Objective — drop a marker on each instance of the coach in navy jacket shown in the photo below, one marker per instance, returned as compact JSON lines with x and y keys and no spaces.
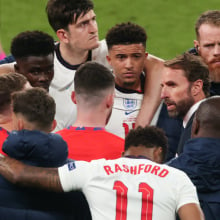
{"x":44,"y":150}
{"x":200,"y":159}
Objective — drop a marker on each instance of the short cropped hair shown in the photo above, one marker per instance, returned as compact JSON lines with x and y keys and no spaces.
{"x":126,"y":33}
{"x":194,"y":68}
{"x":32,"y":43}
{"x":208,"y":115}
{"x":92,"y":81}
{"x":36,"y":106}
{"x":149,"y":137}
{"x":9,"y":83}
{"x":61,"y":13}
{"x":211,"y":17}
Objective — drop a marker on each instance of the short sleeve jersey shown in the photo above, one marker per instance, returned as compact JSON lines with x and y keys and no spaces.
{"x":128,"y":188}
{"x":62,"y":85}
{"x":126,"y":107}
{"x":90,"y":143}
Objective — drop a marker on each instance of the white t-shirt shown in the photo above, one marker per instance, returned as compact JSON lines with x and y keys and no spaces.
{"x":124,"y":113}
{"x":129,"y":187}
{"x":62,"y":86}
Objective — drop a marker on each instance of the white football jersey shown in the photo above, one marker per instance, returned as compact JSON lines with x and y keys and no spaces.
{"x":124,"y":113}
{"x":128,"y":189}
{"x":62,"y":86}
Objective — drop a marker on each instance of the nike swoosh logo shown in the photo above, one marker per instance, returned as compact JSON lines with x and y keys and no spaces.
{"x":128,"y":113}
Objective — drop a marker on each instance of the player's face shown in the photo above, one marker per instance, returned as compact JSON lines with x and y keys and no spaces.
{"x":176,"y":92}
{"x":127,"y":62}
{"x":209,"y":47}
{"x":39,"y":70}
{"x":83,"y":35}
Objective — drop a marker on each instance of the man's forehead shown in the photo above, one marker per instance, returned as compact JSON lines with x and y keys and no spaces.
{"x":172,"y":74}
{"x":128,"y":48}
{"x":85,"y":16}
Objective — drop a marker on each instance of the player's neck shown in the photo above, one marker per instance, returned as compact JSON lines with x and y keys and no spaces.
{"x":6,"y":123}
{"x":73,"y":57}
{"x":90,"y":120}
{"x":130,"y":86}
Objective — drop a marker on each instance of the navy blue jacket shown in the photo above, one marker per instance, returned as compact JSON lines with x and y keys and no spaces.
{"x":172,"y":128}
{"x":186,"y":135}
{"x":44,"y":150}
{"x":200,"y":160}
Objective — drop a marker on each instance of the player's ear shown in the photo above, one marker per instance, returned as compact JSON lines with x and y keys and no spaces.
{"x":73,"y":97}
{"x":196,"y":45}
{"x":108,"y":59}
{"x":146,"y":54}
{"x":16,"y":67}
{"x":62,"y":35}
{"x":53,"y":126}
{"x":110,"y":100}
{"x":197,"y":87}
{"x":158,"y":158}
{"x":195,"y":127}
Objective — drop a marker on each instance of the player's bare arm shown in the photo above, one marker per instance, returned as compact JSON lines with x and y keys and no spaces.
{"x":191,"y":211}
{"x":24,"y":175}
{"x":7,"y":68}
{"x":151,"y":99}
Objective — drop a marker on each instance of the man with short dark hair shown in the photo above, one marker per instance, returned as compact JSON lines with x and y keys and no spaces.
{"x":185,"y":84}
{"x":34,"y":53}
{"x":127,"y":54}
{"x":74,"y":22}
{"x":87,"y":138}
{"x":131,"y":187}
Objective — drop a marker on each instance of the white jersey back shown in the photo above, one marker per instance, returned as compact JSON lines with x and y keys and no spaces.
{"x":128,"y":189}
{"x":124,"y":113}
{"x":62,"y":86}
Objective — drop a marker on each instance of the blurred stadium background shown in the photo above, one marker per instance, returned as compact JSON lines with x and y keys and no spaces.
{"x":169,"y":23}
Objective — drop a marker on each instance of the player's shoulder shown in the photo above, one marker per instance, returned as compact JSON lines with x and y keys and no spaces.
{"x":106,"y":133}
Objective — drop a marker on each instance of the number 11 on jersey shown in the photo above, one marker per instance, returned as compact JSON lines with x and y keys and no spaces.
{"x":122,"y":200}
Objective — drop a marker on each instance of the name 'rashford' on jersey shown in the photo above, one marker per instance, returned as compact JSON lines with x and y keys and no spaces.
{"x":129,"y":188}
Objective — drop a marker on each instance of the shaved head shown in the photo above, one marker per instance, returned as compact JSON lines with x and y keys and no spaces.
{"x":207,"y":119}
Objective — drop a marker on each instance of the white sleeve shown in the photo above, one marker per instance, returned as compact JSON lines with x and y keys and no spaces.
{"x":186,"y":191}
{"x":74,"y":175}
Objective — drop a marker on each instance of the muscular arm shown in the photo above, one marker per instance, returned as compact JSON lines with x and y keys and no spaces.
{"x":30,"y":176}
{"x":151,"y":99}
{"x":191,"y":211}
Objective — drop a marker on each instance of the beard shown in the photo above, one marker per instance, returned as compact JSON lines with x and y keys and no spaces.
{"x":214,"y":74}
{"x":182,"y":107}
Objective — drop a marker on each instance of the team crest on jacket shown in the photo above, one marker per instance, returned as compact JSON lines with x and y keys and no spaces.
{"x":130,"y":104}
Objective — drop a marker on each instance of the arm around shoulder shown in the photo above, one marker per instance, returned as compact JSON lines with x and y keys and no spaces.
{"x":21,"y":174}
{"x":151,"y":100}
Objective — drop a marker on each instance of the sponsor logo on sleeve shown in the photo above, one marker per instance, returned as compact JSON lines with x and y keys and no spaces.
{"x":71,"y":165}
